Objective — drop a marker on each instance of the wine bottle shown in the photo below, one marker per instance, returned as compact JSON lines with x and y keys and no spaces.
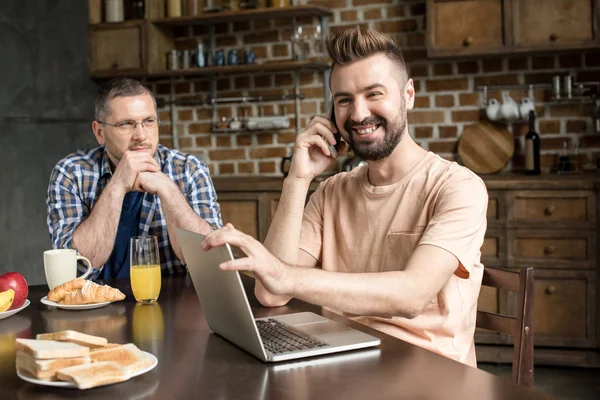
{"x":532,"y":148}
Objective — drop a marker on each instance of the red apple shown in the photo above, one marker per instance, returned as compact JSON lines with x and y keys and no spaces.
{"x":16,"y":282}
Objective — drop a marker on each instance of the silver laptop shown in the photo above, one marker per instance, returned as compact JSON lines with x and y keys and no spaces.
{"x":277,"y":338}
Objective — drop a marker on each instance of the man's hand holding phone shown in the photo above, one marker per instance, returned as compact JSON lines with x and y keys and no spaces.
{"x":315,"y":149}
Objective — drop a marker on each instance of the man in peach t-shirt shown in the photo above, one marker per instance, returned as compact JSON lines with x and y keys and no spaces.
{"x":397,"y":241}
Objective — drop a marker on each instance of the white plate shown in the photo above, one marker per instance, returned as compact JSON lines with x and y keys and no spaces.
{"x":47,"y":302}
{"x":7,"y":314}
{"x":72,"y":385}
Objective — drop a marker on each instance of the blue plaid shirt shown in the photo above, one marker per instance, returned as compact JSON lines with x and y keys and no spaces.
{"x":77,"y":182}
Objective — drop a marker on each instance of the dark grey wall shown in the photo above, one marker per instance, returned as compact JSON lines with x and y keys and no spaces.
{"x":46,"y":107}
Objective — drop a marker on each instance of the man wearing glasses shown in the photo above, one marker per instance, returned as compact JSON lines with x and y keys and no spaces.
{"x":129,"y":186}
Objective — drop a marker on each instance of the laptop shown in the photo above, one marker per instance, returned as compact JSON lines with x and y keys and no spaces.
{"x":270,"y":339}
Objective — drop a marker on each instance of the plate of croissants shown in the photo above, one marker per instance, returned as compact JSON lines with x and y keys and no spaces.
{"x":81,"y":294}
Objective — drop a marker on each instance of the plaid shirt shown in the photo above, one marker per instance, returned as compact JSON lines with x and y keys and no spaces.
{"x":77,"y":182}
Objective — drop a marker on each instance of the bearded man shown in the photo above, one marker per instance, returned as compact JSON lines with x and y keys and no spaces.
{"x":394,"y":244}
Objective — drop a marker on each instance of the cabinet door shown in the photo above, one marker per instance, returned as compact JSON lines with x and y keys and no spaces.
{"x":458,"y":28}
{"x":117,"y":48}
{"x":564,"y":309}
{"x":553,"y":23}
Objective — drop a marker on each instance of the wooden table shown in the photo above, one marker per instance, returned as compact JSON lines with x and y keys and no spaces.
{"x":195,"y":364}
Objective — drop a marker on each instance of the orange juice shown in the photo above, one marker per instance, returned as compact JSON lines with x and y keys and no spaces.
{"x":145,"y":282}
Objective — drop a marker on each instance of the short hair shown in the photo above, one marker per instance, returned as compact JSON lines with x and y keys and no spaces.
{"x":120,"y":87}
{"x":356,"y":43}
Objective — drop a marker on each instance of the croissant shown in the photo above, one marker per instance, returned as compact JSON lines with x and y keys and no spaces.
{"x":60,"y":291}
{"x":92,"y":293}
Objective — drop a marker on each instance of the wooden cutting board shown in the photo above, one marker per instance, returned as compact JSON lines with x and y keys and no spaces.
{"x":485,"y":147}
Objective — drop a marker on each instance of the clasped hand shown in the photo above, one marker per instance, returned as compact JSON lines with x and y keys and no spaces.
{"x":139,"y":171}
{"x":275,"y":276}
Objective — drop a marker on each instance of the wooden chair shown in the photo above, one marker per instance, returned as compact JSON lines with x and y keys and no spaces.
{"x":519,"y":327}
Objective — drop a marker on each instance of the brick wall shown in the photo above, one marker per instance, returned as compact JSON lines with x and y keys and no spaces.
{"x":445,"y":101}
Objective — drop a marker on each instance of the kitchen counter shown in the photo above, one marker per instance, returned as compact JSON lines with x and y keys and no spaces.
{"x":493,"y":182}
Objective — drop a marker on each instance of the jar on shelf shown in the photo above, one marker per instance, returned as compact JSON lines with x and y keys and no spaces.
{"x":113,"y":11}
{"x":249,"y":57}
{"x":279,"y":3}
{"x":174,"y":8}
{"x":173,"y":60}
{"x":219,"y":58}
{"x":300,"y":45}
{"x":232,"y":57}
{"x":94,"y":11}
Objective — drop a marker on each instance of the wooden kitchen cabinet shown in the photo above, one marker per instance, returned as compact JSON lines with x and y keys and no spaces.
{"x":477,"y":27}
{"x":551,"y":24}
{"x":131,"y":48}
{"x":454,"y":27}
{"x":546,"y":222}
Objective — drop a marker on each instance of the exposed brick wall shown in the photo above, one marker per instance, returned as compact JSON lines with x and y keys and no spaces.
{"x":445,"y":104}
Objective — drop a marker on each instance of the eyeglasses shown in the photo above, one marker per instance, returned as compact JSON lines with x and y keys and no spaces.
{"x":130,"y":125}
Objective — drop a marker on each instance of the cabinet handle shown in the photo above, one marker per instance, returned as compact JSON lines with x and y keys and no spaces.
{"x":467,"y":41}
{"x":553,"y":37}
{"x":114,"y":65}
{"x":549,"y":249}
{"x":549,"y":210}
{"x":550,"y":289}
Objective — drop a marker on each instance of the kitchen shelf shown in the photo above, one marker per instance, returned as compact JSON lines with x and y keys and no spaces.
{"x":223,"y":70}
{"x":245,"y":15}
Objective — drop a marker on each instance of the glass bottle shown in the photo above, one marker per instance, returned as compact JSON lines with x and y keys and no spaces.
{"x":532,"y":148}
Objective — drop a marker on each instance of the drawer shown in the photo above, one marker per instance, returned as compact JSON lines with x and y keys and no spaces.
{"x":496,"y":210}
{"x":573,"y":249}
{"x":493,"y":251}
{"x":564,"y":309}
{"x":455,"y":26}
{"x":556,"y":209}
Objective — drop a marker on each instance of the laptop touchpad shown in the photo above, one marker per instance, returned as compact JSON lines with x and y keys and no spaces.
{"x":323,"y":329}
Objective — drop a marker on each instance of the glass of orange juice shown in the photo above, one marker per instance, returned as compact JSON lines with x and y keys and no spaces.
{"x":145,"y":268}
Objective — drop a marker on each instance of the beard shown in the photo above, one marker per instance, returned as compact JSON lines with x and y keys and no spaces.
{"x":370,"y":150}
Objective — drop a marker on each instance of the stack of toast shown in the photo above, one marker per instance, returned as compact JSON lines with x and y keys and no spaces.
{"x":85,"y":360}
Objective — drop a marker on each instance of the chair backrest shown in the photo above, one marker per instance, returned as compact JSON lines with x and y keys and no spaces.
{"x":519,"y":327}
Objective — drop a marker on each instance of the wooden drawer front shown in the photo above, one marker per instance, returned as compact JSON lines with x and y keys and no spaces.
{"x":492,"y":210}
{"x":117,"y":48}
{"x":550,"y":23}
{"x":548,"y":249}
{"x":457,"y":25}
{"x":552,"y":207}
{"x":556,"y":248}
{"x":563,"y":311}
{"x":493,"y":251}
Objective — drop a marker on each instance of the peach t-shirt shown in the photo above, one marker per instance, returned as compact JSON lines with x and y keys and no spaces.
{"x":350,"y":225}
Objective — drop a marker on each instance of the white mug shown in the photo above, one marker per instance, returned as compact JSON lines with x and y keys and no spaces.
{"x":60,"y":266}
{"x":509,"y":109}
{"x":492,"y":109}
{"x":526,"y":106}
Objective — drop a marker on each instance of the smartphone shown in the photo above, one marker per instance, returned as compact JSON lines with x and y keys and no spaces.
{"x":338,"y":138}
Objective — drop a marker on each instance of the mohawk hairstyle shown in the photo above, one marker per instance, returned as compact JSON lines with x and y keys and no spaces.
{"x":356,"y":43}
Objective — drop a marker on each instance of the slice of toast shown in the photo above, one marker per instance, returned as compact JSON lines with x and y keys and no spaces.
{"x":95,"y":374}
{"x":26,"y":361}
{"x":127,"y":356}
{"x":108,"y":346}
{"x":50,"y":349}
{"x":42,"y":376}
{"x":74,"y":337}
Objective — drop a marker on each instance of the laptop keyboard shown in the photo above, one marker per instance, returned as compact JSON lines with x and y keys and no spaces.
{"x":277,"y":338}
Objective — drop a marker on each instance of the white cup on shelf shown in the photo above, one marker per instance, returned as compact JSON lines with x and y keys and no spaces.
{"x":526,"y":106}
{"x":509,"y":109}
{"x":492,"y":109}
